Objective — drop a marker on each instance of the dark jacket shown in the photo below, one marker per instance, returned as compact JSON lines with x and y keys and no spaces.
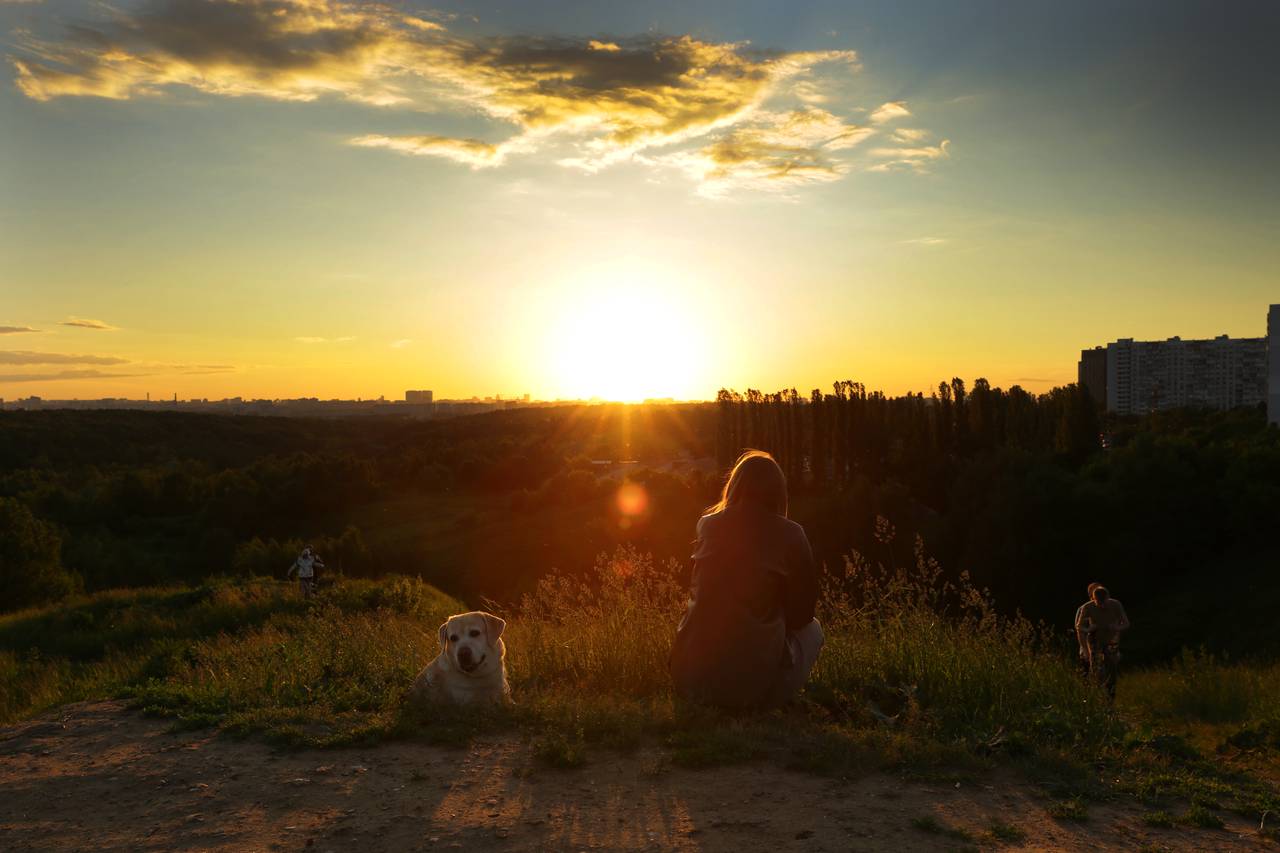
{"x":753,"y":582}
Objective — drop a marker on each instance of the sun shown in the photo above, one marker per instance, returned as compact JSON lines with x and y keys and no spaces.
{"x":627,"y":340}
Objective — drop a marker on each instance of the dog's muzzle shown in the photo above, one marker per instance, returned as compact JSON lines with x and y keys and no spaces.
{"x":467,"y":663}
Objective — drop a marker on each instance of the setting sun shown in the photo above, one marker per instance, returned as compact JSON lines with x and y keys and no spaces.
{"x":627,"y":341}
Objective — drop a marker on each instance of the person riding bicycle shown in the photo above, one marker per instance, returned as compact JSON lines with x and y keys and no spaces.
{"x":307,"y":564}
{"x":1099,"y":624}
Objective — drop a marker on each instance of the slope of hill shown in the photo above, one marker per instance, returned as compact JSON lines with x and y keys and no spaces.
{"x":97,"y":774}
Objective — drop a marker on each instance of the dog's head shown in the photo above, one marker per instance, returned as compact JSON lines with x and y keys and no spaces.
{"x":472,"y":641}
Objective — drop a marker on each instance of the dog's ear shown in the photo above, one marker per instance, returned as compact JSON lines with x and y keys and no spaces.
{"x":444,"y":635}
{"x":493,"y":626}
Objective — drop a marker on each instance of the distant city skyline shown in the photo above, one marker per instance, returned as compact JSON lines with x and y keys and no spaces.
{"x":272,"y":198}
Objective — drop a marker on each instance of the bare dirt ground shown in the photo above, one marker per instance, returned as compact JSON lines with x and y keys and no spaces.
{"x":96,"y":776}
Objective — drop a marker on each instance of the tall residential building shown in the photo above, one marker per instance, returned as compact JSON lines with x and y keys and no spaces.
{"x":419,"y":396}
{"x":1273,"y":365}
{"x":1217,"y":373}
{"x":1092,"y":373}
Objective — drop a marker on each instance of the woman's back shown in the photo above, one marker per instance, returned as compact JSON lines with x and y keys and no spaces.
{"x":753,"y":581}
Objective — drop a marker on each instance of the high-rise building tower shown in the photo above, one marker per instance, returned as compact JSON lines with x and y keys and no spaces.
{"x":1273,"y":365}
{"x":1092,"y":373}
{"x":1217,"y":373}
{"x":419,"y":397}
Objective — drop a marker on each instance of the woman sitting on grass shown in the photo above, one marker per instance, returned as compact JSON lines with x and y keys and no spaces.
{"x":749,"y":639}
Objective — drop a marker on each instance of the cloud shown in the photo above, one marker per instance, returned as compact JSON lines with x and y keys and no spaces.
{"x":917,"y":159}
{"x":472,"y":152}
{"x":81,"y":323}
{"x":775,"y":151}
{"x":641,"y":98}
{"x":926,"y":241}
{"x":28,"y":357}
{"x":16,"y":330}
{"x":87,"y":373}
{"x":187,"y":369}
{"x":909,"y":135}
{"x":622,"y":94}
{"x":889,"y":111}
{"x":401,"y":344}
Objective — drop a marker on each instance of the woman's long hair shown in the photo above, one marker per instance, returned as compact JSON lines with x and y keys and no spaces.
{"x":756,"y":480}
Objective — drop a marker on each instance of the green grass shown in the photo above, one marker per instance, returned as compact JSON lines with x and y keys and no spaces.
{"x":250,"y":655}
{"x":929,"y":683}
{"x":1199,"y":686}
{"x":1201,"y":817}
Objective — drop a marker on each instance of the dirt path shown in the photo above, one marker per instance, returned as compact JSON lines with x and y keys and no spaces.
{"x":97,"y":777}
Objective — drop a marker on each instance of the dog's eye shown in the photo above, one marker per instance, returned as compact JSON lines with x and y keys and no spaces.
{"x":475,"y":633}
{"x":453,"y":638}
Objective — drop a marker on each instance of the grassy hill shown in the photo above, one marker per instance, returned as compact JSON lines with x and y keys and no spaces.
{"x":931,"y":681}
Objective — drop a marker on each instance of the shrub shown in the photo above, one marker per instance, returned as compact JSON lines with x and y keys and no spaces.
{"x":31,"y":569}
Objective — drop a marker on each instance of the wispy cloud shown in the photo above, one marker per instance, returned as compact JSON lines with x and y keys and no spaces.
{"x":916,"y":159}
{"x":889,"y":111}
{"x":473,"y":152}
{"x":774,"y":151}
{"x":926,"y":241}
{"x":83,"y":323}
{"x":28,"y":357}
{"x":87,"y":373}
{"x":642,"y":98}
{"x":186,"y":369}
{"x":16,"y":330}
{"x":401,"y":343}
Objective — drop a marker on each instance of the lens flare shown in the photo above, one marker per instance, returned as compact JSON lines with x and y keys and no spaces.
{"x":632,"y":500}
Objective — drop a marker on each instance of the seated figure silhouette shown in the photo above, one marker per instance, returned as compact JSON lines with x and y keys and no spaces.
{"x":749,"y":638}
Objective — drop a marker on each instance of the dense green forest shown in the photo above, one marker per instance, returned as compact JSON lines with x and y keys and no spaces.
{"x":1032,"y":495}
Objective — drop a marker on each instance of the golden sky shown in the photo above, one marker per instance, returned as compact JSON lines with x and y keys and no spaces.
{"x":279,"y":198}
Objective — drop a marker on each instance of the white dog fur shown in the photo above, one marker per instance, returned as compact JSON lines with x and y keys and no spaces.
{"x":470,"y":667}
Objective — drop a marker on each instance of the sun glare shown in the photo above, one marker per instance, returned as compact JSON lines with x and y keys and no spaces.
{"x":627,"y":341}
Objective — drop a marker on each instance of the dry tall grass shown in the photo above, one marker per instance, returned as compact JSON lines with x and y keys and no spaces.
{"x":905,"y":649}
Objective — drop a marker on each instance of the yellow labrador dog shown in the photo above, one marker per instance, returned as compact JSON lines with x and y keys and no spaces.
{"x":470,"y":665}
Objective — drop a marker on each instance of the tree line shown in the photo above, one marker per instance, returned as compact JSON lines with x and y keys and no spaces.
{"x":1033,"y":495}
{"x":827,"y":440}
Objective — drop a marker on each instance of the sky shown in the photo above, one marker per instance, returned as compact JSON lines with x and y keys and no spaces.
{"x":286,"y":198}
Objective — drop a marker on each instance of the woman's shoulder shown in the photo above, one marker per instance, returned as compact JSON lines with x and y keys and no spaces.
{"x":792,"y":529}
{"x":756,"y":518}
